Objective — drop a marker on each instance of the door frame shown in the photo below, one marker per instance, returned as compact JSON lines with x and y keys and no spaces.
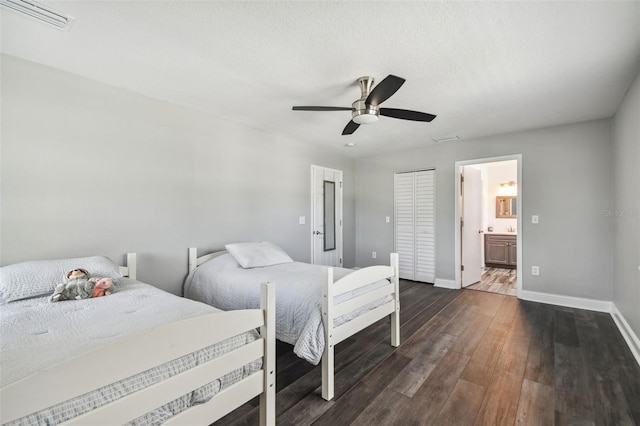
{"x":457,"y":236}
{"x":339,"y":213}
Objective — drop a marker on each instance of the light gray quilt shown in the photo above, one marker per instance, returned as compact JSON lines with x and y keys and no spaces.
{"x":36,"y":334}
{"x":224,"y":284}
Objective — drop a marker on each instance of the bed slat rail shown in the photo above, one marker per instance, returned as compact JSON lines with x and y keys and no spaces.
{"x":223,"y":403}
{"x":351,"y":305}
{"x":361,"y":278}
{"x":349,"y":328}
{"x":154,"y":396}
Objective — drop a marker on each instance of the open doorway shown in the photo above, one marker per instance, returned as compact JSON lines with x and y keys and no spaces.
{"x":488,"y":203}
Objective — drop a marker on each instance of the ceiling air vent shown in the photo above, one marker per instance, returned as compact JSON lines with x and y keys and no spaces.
{"x":449,"y":138}
{"x":40,"y":13}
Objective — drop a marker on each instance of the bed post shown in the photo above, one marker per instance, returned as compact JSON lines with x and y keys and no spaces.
{"x":327,"y":318}
{"x":268,"y":333}
{"x":193,"y":258}
{"x":395,"y":316}
{"x":132,"y":266}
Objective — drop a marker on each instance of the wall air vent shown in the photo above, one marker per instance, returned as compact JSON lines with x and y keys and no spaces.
{"x":40,"y":13}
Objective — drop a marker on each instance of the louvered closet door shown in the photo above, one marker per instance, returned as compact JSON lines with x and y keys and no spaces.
{"x":415,"y":224}
{"x":405,"y":224}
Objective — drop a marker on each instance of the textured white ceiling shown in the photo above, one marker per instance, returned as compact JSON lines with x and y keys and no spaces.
{"x":482,"y":67}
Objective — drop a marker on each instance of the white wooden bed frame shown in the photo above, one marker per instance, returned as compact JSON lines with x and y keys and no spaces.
{"x":330,"y":311}
{"x":104,"y":365}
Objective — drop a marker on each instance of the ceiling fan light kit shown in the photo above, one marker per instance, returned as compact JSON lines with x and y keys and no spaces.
{"x":366,"y":110}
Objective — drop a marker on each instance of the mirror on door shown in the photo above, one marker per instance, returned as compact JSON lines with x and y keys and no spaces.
{"x":329,"y":201}
{"x":506,"y":207}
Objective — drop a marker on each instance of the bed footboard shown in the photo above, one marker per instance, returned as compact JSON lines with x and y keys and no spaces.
{"x":330,"y":311}
{"x":102,"y":366}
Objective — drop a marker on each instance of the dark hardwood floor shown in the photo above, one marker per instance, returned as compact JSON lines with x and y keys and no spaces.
{"x":467,"y":358}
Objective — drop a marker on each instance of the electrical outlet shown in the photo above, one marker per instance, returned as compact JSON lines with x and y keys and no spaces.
{"x":535,"y":270}
{"x":373,"y":254}
{"x":388,"y":219}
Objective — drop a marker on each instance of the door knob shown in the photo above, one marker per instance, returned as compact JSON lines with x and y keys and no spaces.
{"x":481,"y":232}
{"x":317,"y":233}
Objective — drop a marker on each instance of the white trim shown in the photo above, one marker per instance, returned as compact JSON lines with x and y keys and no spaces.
{"x":458,"y":261}
{"x":625,"y":329}
{"x":442,"y":283}
{"x":568,"y":301}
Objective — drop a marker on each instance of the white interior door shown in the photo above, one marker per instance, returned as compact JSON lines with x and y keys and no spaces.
{"x":326,"y":216}
{"x":472,"y":232}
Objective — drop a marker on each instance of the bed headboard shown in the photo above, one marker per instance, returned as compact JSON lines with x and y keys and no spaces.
{"x":131,"y":269}
{"x":195,"y":261}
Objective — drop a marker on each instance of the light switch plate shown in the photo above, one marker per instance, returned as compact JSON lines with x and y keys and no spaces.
{"x":388,"y":219}
{"x":534,"y":218}
{"x":302,"y":220}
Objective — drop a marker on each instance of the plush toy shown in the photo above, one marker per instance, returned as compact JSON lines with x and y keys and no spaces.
{"x":77,"y":285}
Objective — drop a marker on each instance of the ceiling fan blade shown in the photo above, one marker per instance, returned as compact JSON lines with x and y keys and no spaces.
{"x":384,"y":89}
{"x":320,"y":108}
{"x":406,"y":114}
{"x":351,"y":127}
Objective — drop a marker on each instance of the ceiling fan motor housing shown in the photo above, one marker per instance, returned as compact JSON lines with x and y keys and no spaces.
{"x":363,"y":113}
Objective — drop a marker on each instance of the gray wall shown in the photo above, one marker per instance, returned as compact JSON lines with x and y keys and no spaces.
{"x":88,"y":169}
{"x":567,"y":181}
{"x":626,"y":217}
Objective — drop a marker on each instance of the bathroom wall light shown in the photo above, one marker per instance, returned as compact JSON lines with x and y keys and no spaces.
{"x":41,"y":13}
{"x":508,"y":189}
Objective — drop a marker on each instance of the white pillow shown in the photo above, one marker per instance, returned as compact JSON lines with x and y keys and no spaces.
{"x":258,"y":255}
{"x":40,"y":277}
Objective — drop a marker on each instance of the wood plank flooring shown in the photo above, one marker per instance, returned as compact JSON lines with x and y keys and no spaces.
{"x":497,"y":280}
{"x":467,"y":358}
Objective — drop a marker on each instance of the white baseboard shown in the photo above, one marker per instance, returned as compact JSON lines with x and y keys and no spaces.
{"x":450,"y":284}
{"x":568,"y":301}
{"x":625,"y":329}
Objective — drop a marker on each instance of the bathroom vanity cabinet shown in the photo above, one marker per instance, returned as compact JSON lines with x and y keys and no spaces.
{"x":500,"y":250}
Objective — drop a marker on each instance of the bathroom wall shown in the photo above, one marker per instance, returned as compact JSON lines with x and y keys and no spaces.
{"x":494,"y":174}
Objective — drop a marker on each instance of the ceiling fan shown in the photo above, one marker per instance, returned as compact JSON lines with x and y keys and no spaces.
{"x":367,"y":109}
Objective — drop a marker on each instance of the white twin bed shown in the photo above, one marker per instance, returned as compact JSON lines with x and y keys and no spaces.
{"x":139,"y":356}
{"x":313,"y":312}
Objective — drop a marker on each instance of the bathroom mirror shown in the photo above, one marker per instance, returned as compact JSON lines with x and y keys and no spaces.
{"x":506,"y":207}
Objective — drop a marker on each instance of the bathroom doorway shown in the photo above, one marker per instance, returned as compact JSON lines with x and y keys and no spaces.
{"x":488,"y":202}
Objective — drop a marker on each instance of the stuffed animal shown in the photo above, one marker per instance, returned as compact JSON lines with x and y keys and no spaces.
{"x":77,"y":285}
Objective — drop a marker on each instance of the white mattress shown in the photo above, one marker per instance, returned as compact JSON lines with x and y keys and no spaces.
{"x":223,"y":283}
{"x":37,"y":334}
